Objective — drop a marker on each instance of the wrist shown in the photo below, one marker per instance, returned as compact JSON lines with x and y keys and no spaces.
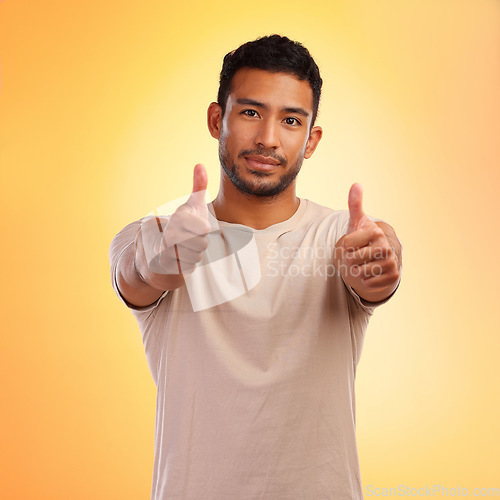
{"x":146,"y":274}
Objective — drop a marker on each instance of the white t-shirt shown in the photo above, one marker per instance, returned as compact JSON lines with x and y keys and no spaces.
{"x":256,"y":393}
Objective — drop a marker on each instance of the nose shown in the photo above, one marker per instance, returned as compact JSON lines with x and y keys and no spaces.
{"x":268,"y":135}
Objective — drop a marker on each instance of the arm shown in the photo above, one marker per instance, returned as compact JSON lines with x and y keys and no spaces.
{"x":164,"y":251}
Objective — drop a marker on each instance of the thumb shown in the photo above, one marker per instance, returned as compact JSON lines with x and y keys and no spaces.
{"x":200,"y":178}
{"x":355,"y":203}
{"x":200,"y":182}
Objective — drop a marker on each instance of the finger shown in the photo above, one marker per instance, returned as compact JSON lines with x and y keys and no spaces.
{"x":369,"y":234}
{"x":187,"y":256}
{"x":377,"y":279}
{"x":187,"y":259}
{"x":368,"y":254}
{"x":186,"y":229}
{"x":200,"y":178}
{"x":367,"y":271}
{"x":355,"y":203}
{"x":197,"y":243}
{"x":200,"y":183}
{"x":165,"y":262}
{"x":193,"y":225}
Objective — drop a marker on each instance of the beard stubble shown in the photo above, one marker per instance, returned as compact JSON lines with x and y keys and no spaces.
{"x":259,"y":187}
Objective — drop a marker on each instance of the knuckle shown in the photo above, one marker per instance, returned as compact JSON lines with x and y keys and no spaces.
{"x":348,"y":245}
{"x":186,"y":208}
{"x":203,"y":243}
{"x":372,"y":284}
{"x":207,"y":227}
{"x":389,"y":254}
{"x":394,"y":275}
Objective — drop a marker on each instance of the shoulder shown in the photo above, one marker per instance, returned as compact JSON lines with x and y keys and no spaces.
{"x":317,"y":214}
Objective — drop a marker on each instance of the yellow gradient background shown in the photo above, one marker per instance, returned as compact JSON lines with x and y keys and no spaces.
{"x":102,"y":118}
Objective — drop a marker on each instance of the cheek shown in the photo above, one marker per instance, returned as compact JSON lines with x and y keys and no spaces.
{"x":228,"y":142}
{"x":296,"y":146}
{"x":237,"y":140}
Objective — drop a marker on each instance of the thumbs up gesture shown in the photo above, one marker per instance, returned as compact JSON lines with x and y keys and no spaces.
{"x":185,"y":235}
{"x":367,"y":256}
{"x":170,"y":247}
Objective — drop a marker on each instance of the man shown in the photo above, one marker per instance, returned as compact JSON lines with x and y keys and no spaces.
{"x":253,"y":308}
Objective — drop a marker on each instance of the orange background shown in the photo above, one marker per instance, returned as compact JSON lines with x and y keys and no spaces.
{"x":102,"y":118}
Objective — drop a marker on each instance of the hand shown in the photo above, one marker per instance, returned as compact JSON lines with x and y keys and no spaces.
{"x":180,"y":240}
{"x":368,"y":262}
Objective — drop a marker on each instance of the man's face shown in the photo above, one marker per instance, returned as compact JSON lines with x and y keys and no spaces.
{"x":264,"y":134}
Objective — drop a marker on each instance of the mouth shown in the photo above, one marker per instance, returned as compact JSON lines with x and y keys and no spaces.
{"x":262,"y":163}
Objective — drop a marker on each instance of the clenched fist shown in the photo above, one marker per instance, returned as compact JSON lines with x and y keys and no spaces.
{"x":367,"y":256}
{"x":172,"y":246}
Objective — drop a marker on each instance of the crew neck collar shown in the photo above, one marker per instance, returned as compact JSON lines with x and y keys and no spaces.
{"x":279,"y":226}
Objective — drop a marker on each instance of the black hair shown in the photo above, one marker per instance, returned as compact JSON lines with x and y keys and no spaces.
{"x":272,"y":53}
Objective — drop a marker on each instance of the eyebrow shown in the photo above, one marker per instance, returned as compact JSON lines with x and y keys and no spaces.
{"x":258,"y":104}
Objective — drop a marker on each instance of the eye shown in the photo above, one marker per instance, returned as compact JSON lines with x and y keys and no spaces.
{"x":249,"y":112}
{"x":289,"y":120}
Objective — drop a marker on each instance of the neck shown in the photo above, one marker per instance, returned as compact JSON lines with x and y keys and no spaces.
{"x":258,"y":212}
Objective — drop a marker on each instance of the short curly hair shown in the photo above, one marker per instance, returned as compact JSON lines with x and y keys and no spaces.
{"x":272,"y":53}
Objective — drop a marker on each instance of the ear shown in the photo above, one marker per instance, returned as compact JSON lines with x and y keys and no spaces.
{"x":214,"y":120}
{"x":312,"y":142}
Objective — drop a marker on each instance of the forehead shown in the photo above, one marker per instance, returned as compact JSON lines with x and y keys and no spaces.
{"x":280,"y":89}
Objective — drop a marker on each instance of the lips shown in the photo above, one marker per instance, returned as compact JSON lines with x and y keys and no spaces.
{"x":262,"y":162}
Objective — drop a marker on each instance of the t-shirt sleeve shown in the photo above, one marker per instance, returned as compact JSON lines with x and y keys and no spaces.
{"x":367,"y":306}
{"x":120,"y":243}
